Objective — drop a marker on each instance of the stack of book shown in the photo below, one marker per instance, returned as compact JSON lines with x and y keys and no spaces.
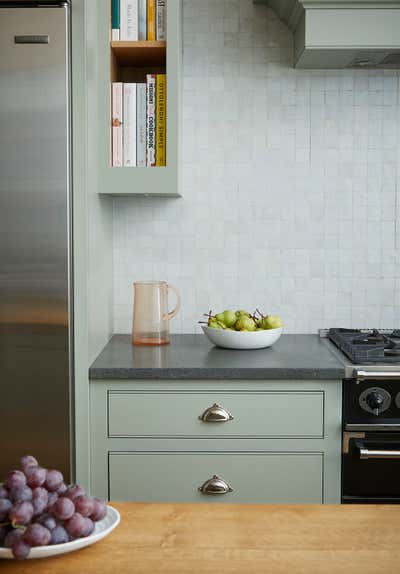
{"x":139,"y":123}
{"x":133,"y":20}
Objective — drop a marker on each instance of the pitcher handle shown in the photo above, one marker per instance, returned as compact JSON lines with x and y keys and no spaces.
{"x":174,"y":312}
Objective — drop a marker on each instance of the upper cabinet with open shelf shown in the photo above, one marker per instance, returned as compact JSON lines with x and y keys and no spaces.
{"x":131,"y":62}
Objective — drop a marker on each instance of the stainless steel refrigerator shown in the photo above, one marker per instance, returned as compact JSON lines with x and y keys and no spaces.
{"x":35,"y":235}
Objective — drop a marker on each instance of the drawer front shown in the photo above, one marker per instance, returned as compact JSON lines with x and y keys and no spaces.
{"x":262,"y":414}
{"x":176,"y":477}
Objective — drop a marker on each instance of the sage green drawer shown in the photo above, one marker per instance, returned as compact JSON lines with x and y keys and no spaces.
{"x":176,"y":477}
{"x":262,"y":414}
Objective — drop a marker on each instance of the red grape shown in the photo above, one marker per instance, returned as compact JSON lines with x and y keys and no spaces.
{"x":21,"y":513}
{"x":15,"y":479}
{"x":62,"y":489}
{"x":53,"y":496}
{"x":20,"y":494}
{"x":40,"y":500}
{"x":75,"y":526}
{"x":13,"y":536}
{"x":63,"y":508}
{"x":88,"y":528}
{"x":27,"y":461}
{"x":54,"y":480}
{"x":74,"y":490}
{"x":99,"y":511}
{"x":5,"y":506}
{"x":47,"y":520}
{"x":37,"y":535}
{"x":3,"y":492}
{"x":20,"y":550}
{"x":84,"y":505}
{"x":59,"y":535}
{"x":35,"y":475}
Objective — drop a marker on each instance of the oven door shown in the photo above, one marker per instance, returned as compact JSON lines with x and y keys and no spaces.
{"x":371,"y":468}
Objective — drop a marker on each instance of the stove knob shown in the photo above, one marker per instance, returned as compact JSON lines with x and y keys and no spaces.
{"x":375,"y":401}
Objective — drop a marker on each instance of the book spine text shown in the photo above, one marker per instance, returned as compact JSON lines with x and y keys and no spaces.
{"x":141,"y":125}
{"x":129,"y":20}
{"x":160,"y":20}
{"x":161,"y":109}
{"x":151,"y":120}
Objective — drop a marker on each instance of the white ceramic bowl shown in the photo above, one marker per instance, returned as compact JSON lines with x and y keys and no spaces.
{"x":242,"y":339}
{"x":102,"y":529}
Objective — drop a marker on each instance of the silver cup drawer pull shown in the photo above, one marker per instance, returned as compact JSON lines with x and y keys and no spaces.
{"x":215,"y":485}
{"x":216,"y":414}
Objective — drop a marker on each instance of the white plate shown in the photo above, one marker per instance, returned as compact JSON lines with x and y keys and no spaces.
{"x":101,"y":530}
{"x":242,"y":339}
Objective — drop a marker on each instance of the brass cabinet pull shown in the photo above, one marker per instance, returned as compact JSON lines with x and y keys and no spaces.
{"x":215,"y":485}
{"x":216,"y":414}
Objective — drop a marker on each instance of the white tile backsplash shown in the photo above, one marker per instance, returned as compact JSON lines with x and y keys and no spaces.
{"x":290,"y":185}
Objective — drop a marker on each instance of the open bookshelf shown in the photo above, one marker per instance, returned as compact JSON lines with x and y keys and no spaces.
{"x":130,"y":62}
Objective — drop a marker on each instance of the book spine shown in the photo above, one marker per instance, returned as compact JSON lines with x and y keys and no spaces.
{"x":129,"y":125}
{"x":141,"y":125}
{"x":161,"y":20}
{"x":117,"y":118}
{"x":151,"y":20}
{"x":151,"y":120}
{"x":161,"y":110}
{"x":115,"y":20}
{"x":129,"y":20}
{"x":142,"y":9}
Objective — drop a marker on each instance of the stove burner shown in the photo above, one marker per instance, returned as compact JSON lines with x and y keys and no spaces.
{"x":368,"y":347}
{"x":392,"y":349}
{"x":370,"y":338}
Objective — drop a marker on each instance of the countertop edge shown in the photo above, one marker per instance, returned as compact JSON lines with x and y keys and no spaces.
{"x":215,"y":374}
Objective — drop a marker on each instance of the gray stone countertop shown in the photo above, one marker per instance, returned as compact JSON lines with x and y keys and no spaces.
{"x":194,"y":357}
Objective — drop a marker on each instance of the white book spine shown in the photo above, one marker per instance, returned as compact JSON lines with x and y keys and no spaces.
{"x":129,"y":20}
{"x":141,"y":125}
{"x":129,"y":125}
{"x":142,"y":15}
{"x":117,"y":118}
{"x":161,"y":19}
{"x":151,"y":120}
{"x":115,"y":35}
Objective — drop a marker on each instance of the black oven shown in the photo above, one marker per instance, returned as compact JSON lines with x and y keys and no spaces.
{"x":371,"y":441}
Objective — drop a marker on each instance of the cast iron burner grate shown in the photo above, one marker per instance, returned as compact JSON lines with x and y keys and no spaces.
{"x":368,"y":346}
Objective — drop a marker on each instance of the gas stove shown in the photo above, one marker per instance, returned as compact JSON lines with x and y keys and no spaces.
{"x":371,"y":413}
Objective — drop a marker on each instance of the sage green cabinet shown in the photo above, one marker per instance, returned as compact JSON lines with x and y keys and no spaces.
{"x":130,"y":62}
{"x":178,"y":413}
{"x":280,"y":441}
{"x":262,"y":477}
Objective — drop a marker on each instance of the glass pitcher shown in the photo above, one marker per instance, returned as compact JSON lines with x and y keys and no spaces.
{"x":150,"y":312}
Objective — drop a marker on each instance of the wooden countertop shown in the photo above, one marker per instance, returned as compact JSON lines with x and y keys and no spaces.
{"x":245,"y":539}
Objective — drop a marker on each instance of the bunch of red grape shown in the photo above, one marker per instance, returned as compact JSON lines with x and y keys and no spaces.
{"x":37,"y":508}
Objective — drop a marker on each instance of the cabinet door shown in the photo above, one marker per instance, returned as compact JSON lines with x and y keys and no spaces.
{"x":176,"y":477}
{"x":277,"y":414}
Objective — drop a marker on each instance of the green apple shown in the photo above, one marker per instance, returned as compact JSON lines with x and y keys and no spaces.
{"x":245,"y":323}
{"x":272,"y":322}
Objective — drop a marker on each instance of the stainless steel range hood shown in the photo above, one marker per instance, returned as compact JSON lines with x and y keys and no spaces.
{"x":342,"y":33}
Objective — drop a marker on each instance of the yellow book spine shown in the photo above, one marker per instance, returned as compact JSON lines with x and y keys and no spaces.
{"x":161,"y":112}
{"x":151,"y":19}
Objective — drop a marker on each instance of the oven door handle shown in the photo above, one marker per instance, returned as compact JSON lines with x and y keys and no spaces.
{"x":366,"y":453}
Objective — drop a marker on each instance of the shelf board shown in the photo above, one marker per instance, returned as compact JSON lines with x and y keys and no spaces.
{"x":141,"y":53}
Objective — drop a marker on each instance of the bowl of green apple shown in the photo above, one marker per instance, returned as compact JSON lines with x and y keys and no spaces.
{"x":241,"y":329}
